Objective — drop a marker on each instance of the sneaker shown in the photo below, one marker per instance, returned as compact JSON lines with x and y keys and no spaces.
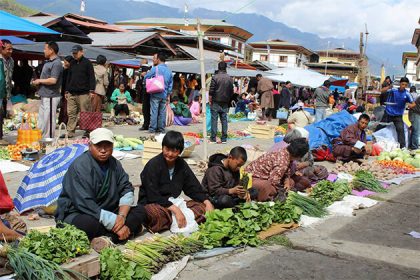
{"x":152,"y":131}
{"x":143,"y":128}
{"x":224,"y":142}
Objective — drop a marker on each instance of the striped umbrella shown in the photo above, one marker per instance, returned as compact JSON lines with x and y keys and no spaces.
{"x":42,"y":185}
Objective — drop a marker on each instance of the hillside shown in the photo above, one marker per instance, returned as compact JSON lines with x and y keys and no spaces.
{"x":11,"y":6}
{"x":262,"y":27}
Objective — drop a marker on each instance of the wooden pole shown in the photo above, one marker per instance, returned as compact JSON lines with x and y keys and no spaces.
{"x":203,"y":86}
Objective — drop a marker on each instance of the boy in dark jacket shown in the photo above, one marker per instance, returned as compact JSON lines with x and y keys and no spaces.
{"x":221,"y":179}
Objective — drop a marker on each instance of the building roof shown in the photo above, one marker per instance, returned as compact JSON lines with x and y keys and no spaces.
{"x":43,"y":20}
{"x":416,"y":37}
{"x":331,"y":65}
{"x":125,"y":40}
{"x":96,"y":26}
{"x":208,"y":24}
{"x":85,"y":18}
{"x":184,"y":39}
{"x":407,"y":55}
{"x":280,"y":44}
{"x":194,"y":53}
{"x":339,"y":51}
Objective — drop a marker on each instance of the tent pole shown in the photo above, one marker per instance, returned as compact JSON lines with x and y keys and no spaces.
{"x":203,"y":86}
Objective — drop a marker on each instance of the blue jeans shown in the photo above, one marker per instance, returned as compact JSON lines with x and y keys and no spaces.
{"x":415,"y":134}
{"x":157,"y":114}
{"x":320,"y":114}
{"x":219,"y":110}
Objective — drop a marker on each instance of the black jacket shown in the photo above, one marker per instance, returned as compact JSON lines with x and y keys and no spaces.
{"x":221,"y":88}
{"x":157,"y":187}
{"x":218,"y":179}
{"x":81,"y":77}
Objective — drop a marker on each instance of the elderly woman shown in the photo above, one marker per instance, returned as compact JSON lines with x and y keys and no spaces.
{"x":272,"y":172}
{"x":168,"y":175}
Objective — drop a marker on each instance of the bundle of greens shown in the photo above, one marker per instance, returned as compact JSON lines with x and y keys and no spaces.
{"x":286,"y":213}
{"x":364,"y":180}
{"x":115,"y":266}
{"x":309,"y":206}
{"x":326,"y":192}
{"x":58,"y":245}
{"x":28,"y":266}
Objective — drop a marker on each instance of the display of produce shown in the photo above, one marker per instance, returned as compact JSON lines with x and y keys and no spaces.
{"x":237,"y":116}
{"x":127,"y":144}
{"x":398,"y":167}
{"x":15,"y":150}
{"x":58,"y":245}
{"x":327,"y":192}
{"x":374,"y":167}
{"x":364,"y":180}
{"x":29,"y":266}
{"x":401,"y":156}
{"x":4,"y":153}
{"x":143,"y":258}
{"x":281,"y":129}
{"x":310,"y":206}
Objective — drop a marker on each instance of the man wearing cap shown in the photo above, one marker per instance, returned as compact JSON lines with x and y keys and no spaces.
{"x":97,"y":195}
{"x":299,"y":117}
{"x":80,"y":85}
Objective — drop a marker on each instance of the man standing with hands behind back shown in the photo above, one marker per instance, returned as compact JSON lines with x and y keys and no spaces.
{"x":81,"y":85}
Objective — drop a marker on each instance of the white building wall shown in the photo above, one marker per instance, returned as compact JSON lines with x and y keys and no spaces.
{"x":274,"y":58}
{"x":410,"y":70}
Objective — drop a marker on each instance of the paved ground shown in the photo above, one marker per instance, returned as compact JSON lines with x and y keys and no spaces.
{"x":371,"y":245}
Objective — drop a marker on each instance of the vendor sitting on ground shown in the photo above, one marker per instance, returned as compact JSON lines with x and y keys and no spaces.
{"x":343,"y":146}
{"x":168,"y":175}
{"x":182,"y":114}
{"x":195,"y":109}
{"x":97,"y":194}
{"x":299,"y":117}
{"x":221,"y":179}
{"x":271,"y":172}
{"x":242,"y":105}
{"x":120,"y":97}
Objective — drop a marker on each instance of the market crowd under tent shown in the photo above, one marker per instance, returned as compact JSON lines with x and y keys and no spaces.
{"x":297,"y":76}
{"x":36,"y":51}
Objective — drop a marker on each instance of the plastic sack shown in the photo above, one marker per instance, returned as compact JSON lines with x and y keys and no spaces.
{"x":191,"y":226}
{"x":251,"y":116}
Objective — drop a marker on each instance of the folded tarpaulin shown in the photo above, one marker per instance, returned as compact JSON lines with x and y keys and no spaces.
{"x":322,"y":133}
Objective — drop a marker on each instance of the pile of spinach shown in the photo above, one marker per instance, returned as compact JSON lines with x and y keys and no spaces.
{"x":326,"y":192}
{"x":240,"y":226}
{"x":58,"y":245}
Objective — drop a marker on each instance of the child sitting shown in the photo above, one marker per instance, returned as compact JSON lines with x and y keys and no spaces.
{"x":196,"y":109}
{"x":182,"y":114}
{"x":221,"y":180}
{"x":242,"y":104}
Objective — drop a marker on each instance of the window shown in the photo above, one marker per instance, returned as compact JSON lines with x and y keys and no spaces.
{"x":233,"y":43}
{"x":215,"y":39}
{"x":283,"y":58}
{"x":263,"y":57}
{"x":239,"y":47}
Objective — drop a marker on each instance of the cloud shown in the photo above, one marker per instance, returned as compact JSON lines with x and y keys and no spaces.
{"x":390,"y":21}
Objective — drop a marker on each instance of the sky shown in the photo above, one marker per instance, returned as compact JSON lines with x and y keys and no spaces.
{"x":390,"y":21}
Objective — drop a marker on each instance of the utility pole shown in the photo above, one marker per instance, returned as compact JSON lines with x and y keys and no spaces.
{"x":326,"y":60}
{"x":203,"y":85}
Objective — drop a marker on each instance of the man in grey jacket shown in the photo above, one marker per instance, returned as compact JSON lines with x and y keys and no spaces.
{"x":321,"y":96}
{"x":220,"y":94}
{"x":49,"y":89}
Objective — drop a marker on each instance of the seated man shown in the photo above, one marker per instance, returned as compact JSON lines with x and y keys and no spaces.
{"x":97,"y":194}
{"x":343,"y":146}
{"x":168,"y":175}
{"x":242,"y":105}
{"x":221,"y":179}
{"x":182,"y":114}
{"x":299,"y":117}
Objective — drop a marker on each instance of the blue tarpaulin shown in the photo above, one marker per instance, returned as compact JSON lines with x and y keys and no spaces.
{"x":322,"y":133}
{"x":13,"y":25}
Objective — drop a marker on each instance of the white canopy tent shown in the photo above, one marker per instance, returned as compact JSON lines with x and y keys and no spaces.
{"x":297,"y":76}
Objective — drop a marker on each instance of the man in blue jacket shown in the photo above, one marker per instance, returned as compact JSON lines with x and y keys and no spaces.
{"x":158,"y":100}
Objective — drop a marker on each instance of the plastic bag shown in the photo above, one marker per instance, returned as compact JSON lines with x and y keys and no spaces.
{"x":191,"y":226}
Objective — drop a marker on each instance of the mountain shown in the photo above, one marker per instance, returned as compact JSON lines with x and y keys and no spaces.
{"x":262,"y":27}
{"x":12,"y":7}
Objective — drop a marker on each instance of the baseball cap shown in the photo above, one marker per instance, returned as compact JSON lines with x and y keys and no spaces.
{"x":101,"y":134}
{"x":76,"y":48}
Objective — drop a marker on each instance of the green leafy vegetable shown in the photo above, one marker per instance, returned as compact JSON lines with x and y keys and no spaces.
{"x":309,"y":206}
{"x":326,"y":192}
{"x":364,"y":180}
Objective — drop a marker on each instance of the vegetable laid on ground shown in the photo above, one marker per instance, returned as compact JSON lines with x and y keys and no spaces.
{"x":327,"y":192}
{"x":364,"y":180}
{"x":310,"y":206}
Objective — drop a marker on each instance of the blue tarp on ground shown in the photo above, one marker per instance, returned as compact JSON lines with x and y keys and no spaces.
{"x":325,"y":131}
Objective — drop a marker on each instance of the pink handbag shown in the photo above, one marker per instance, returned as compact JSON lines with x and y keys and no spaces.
{"x":155,"y":84}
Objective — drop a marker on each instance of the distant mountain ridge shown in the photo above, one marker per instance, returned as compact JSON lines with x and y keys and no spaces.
{"x":262,"y":27}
